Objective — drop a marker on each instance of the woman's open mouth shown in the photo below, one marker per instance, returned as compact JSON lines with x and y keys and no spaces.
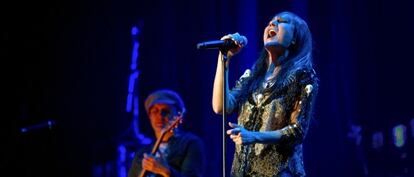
{"x":271,"y":33}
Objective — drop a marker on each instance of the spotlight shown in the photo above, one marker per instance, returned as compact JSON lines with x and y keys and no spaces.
{"x":399,"y":135}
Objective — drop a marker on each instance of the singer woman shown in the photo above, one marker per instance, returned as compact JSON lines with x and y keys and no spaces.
{"x":274,"y":101}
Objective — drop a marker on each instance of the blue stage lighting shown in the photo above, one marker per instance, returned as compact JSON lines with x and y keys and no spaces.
{"x":399,"y":135}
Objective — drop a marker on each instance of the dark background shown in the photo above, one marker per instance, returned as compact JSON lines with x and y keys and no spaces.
{"x":69,"y":62}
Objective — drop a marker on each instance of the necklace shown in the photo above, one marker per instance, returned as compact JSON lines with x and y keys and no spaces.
{"x":270,"y":76}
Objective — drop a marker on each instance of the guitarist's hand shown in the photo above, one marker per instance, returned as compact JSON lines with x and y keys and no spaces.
{"x":149,"y":163}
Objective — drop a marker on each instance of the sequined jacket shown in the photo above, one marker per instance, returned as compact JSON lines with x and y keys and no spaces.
{"x":269,"y":109}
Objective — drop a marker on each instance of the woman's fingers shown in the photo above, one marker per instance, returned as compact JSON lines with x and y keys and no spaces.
{"x":236,"y":138}
{"x":233,"y":125}
{"x":233,"y":131}
{"x":229,"y":36}
{"x":236,"y":37}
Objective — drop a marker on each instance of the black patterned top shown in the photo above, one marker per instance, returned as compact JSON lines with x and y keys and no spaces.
{"x":269,"y":109}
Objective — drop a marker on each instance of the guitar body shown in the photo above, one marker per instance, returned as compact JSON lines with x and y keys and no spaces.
{"x":154,"y":150}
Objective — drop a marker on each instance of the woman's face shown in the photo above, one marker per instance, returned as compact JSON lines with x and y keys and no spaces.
{"x":279,"y":31}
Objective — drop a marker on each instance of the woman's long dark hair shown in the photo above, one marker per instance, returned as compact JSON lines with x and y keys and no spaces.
{"x":300,"y":57}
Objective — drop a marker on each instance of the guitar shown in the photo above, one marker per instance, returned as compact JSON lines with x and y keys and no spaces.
{"x":154,"y":150}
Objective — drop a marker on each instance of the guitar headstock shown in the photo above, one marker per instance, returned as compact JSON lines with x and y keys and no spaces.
{"x":174,"y":124}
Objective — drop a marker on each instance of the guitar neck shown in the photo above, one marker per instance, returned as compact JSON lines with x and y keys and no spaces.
{"x":154,"y":151}
{"x":159,"y":140}
{"x":157,"y":144}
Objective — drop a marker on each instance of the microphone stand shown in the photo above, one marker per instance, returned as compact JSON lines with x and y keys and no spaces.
{"x":224,"y":60}
{"x":223,"y":49}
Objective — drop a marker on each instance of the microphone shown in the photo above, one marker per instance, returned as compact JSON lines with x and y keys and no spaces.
{"x":221,"y":44}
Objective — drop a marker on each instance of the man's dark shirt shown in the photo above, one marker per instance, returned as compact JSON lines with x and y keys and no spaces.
{"x":185,"y":156}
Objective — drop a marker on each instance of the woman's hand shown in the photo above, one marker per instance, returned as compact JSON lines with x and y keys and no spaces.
{"x":240,"y":135}
{"x":240,"y":41}
{"x":149,"y":163}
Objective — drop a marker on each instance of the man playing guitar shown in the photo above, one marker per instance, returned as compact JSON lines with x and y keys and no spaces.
{"x":175,"y":153}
